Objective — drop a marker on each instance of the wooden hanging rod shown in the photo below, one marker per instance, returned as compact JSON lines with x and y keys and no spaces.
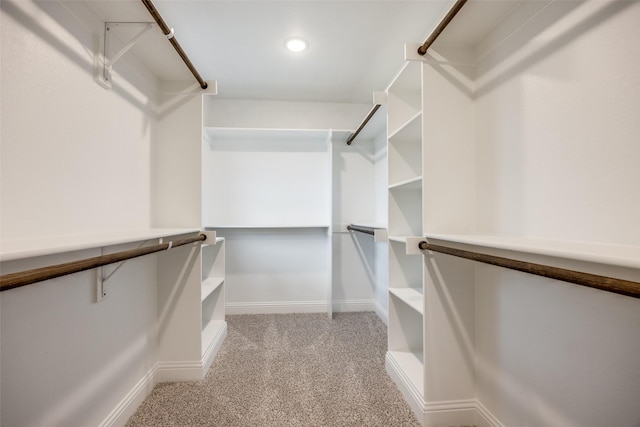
{"x":23,"y":278}
{"x":363,"y":124}
{"x":169,"y":33}
{"x":604,"y":283}
{"x":422,"y":50}
{"x":361,"y":229}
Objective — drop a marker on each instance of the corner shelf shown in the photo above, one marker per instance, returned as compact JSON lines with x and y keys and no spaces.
{"x":194,"y":317}
{"x":212,"y":290}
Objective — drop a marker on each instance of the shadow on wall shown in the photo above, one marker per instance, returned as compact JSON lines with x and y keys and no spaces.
{"x":542,"y":21}
{"x":89,"y":36}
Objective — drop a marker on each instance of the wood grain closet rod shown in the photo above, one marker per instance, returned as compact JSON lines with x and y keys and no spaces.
{"x":23,"y":278}
{"x":422,"y":50}
{"x":169,"y":33}
{"x":361,"y":229}
{"x":363,"y":124}
{"x":604,"y":283}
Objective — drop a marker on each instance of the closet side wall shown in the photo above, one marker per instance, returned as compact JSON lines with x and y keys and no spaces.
{"x":75,"y":159}
{"x":557,"y":150}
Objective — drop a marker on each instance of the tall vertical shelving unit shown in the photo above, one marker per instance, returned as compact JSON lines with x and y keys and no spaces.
{"x":430,"y":141}
{"x":191,"y":279}
{"x":404,"y":151}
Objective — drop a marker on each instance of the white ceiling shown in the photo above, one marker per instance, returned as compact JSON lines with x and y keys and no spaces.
{"x":355,"y":47}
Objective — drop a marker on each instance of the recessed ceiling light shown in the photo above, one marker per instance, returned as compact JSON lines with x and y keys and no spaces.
{"x":296,"y":44}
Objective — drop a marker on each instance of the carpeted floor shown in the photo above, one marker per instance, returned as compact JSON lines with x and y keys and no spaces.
{"x":288,"y":370}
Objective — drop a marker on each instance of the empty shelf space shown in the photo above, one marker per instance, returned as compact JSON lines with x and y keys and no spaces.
{"x":411,"y":296}
{"x":210,"y":285}
{"x":411,"y":129}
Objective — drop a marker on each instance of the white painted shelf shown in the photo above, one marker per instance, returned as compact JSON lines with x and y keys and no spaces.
{"x":210,"y":285}
{"x":411,"y":127}
{"x":276,"y":134}
{"x":48,"y":245}
{"x":414,"y":183}
{"x":603,"y":253}
{"x":218,"y":240}
{"x":266,"y":134}
{"x":399,"y":239}
{"x":369,"y":224}
{"x":411,"y":296}
{"x":268,"y":226}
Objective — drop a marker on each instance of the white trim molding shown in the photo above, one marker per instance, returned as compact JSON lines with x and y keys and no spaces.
{"x":432,"y":414}
{"x":382,"y":313}
{"x":128,"y":405}
{"x":280,"y":307}
{"x":195,"y":370}
{"x":275,"y":307}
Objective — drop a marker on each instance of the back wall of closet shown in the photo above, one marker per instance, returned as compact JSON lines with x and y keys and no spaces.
{"x":281,"y":185}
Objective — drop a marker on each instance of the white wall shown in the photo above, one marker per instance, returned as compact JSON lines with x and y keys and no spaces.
{"x":177,"y":156}
{"x":354,"y":277}
{"x":557,"y":149}
{"x":562,"y":125}
{"x":76,"y":158}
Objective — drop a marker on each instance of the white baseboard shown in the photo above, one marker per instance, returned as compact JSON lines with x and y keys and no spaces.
{"x":382,"y":313}
{"x":346,"y":306}
{"x":128,"y":405}
{"x":430,"y":414}
{"x":276,"y":307}
{"x":281,"y":307}
{"x":213,"y":348}
{"x":164,"y":372}
{"x":195,"y":370}
{"x":485,"y":417}
{"x":411,"y":394}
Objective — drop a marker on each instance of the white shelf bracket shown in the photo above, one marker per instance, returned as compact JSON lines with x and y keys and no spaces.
{"x":101,"y":293}
{"x":412,"y":247}
{"x":101,"y":278}
{"x":109,"y":61}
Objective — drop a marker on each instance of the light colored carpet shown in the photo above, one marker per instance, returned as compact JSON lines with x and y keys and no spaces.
{"x":288,"y":370}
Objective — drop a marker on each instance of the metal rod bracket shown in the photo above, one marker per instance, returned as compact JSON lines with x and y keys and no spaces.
{"x":108,"y":59}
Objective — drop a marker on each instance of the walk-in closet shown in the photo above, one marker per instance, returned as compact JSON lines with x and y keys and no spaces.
{"x":320,"y":213}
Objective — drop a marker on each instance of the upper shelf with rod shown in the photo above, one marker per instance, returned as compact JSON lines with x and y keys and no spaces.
{"x":135,"y":27}
{"x":14,"y":249}
{"x":467,"y":23}
{"x":373,"y":122}
{"x":618,"y":255}
{"x":378,"y":232}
